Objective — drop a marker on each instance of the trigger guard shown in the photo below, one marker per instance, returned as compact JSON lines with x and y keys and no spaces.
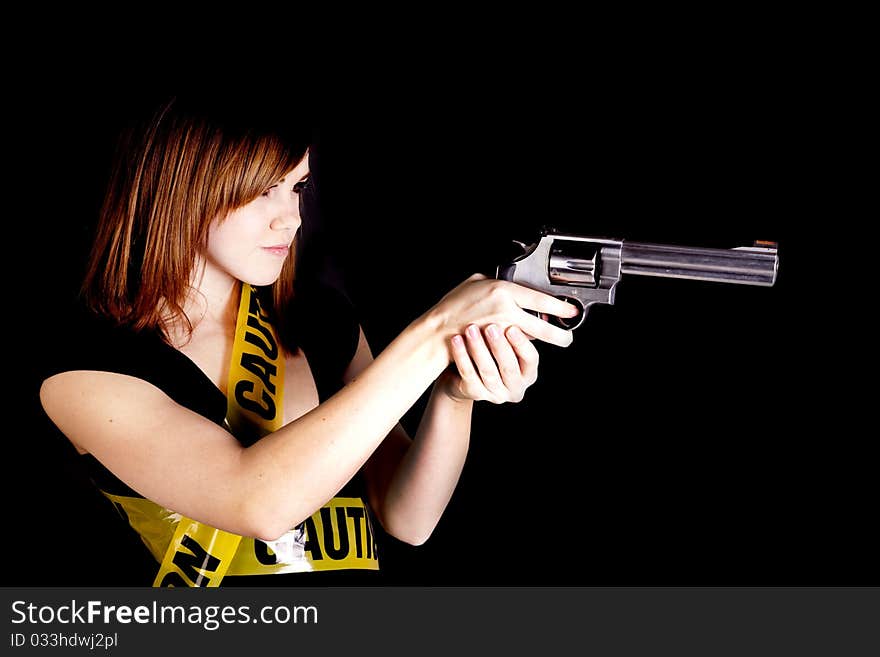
{"x":565,"y":323}
{"x":571,"y":323}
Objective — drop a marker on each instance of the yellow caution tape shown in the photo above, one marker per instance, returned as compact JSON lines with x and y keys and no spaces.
{"x":337,"y":536}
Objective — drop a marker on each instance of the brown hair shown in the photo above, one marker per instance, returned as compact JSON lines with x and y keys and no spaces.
{"x":191,"y":162}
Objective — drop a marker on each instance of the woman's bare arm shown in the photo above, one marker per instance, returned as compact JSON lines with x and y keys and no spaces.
{"x":410,"y":482}
{"x":184,"y":462}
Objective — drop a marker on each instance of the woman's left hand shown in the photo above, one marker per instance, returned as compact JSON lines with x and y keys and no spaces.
{"x":491,"y":365}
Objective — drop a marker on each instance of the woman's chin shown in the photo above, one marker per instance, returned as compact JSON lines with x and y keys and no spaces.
{"x":262,"y":279}
{"x":261,"y":282}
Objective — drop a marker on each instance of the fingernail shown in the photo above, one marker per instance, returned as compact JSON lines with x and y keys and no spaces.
{"x":457,"y":341}
{"x":492,"y":331}
{"x":514,"y":333}
{"x":473,"y":331}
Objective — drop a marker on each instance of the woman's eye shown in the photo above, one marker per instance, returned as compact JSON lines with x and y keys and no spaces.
{"x":301,"y":185}
{"x":266,"y":193}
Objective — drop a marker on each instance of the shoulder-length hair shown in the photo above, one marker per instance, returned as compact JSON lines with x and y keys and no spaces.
{"x":192,"y":162}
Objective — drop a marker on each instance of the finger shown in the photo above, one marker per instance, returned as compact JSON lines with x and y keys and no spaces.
{"x":544,"y":331}
{"x":544,"y":303}
{"x":463,"y":362}
{"x":506,"y":360}
{"x":485,"y":364}
{"x":526,"y":353}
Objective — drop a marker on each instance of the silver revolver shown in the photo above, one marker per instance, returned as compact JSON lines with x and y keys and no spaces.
{"x":586,"y":270}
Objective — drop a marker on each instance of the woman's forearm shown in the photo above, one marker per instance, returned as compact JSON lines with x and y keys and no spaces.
{"x":183,"y":461}
{"x":293,"y":471}
{"x":427,"y":474}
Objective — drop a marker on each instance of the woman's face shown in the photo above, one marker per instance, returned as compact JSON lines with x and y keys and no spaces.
{"x":252,"y":243}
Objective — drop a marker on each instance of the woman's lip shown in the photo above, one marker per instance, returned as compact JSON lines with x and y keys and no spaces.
{"x":279,"y":250}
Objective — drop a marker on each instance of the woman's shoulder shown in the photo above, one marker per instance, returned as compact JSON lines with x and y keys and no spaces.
{"x":317,"y":293}
{"x":323,"y":304}
{"x":87,"y":341}
{"x":327,"y":325}
{"x":79,"y":339}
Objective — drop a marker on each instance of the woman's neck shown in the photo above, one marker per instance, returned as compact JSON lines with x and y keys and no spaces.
{"x":211,"y":303}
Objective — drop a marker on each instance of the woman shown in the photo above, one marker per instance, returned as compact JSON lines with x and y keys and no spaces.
{"x":238,"y":421}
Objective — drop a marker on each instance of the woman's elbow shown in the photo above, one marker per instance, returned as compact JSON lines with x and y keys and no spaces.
{"x":408,"y":532}
{"x":414,"y":539}
{"x":267,"y":533}
{"x":262,"y":524}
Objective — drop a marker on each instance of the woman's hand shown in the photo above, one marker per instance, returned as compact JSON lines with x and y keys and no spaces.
{"x":491,"y":365}
{"x":482,"y":301}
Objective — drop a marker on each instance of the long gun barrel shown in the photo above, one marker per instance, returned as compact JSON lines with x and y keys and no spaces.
{"x":586,"y":270}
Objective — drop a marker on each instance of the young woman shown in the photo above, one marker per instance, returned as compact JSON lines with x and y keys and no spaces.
{"x":236,"y":417}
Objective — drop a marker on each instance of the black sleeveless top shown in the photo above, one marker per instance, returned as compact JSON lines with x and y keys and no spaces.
{"x":327,"y":330}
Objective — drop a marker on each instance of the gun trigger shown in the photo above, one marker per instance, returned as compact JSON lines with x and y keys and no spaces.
{"x":522,"y":245}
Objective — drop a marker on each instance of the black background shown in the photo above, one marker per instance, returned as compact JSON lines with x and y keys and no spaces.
{"x":694,"y":433}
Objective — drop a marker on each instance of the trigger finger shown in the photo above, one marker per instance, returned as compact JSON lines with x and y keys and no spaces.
{"x":545,"y":331}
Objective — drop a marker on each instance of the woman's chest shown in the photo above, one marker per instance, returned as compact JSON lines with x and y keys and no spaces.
{"x":299,"y":393}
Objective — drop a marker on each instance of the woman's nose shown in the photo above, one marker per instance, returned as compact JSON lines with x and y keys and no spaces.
{"x":288,"y":216}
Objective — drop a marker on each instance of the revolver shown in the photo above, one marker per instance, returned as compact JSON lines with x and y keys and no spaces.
{"x":586,"y":270}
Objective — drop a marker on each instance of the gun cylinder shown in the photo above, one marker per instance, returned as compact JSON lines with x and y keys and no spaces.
{"x":745,"y":265}
{"x":568,"y":269}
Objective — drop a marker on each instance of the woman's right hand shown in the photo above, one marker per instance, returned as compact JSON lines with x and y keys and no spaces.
{"x":481,"y":301}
